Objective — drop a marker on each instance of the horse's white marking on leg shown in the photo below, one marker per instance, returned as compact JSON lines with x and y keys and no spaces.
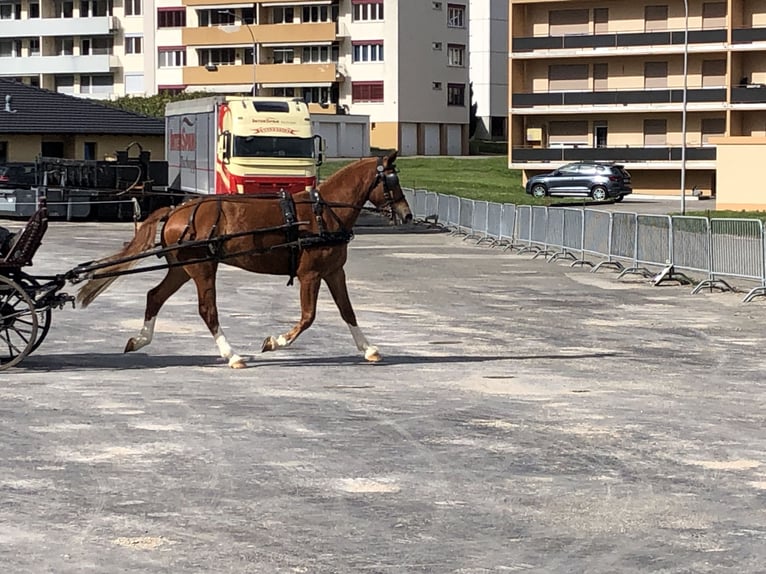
{"x":371,"y":352}
{"x":226,"y":351}
{"x":283,"y":342}
{"x":145,"y":336}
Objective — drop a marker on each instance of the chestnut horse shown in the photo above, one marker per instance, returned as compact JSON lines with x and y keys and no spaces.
{"x":306,"y":238}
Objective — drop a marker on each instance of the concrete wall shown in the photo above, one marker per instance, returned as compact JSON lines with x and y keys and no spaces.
{"x":27,"y":147}
{"x":737,"y":188}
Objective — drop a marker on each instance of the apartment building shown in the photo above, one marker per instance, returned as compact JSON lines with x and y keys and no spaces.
{"x":625,"y":81}
{"x":489,"y":67}
{"x":402,"y":63}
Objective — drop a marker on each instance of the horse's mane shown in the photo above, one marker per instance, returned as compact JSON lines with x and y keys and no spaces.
{"x":345,"y":171}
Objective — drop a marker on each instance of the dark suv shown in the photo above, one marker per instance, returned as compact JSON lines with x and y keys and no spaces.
{"x":17,"y":175}
{"x":600,"y":181}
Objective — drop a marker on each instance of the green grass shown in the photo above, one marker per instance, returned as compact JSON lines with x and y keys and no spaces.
{"x":481,"y":178}
{"x":489,"y":179}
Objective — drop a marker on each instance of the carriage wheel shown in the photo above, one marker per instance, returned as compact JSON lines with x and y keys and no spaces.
{"x":18,"y":323}
{"x":43,"y":315}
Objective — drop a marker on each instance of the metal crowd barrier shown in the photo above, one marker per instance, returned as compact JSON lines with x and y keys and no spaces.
{"x":655,"y":246}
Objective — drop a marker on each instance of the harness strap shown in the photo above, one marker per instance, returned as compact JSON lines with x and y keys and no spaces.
{"x":287,"y":204}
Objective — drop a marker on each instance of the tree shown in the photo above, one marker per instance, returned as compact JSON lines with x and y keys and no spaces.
{"x":153,"y":106}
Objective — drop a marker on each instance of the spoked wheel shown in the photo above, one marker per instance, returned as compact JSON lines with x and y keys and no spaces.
{"x":29,"y":283}
{"x":18,"y":323}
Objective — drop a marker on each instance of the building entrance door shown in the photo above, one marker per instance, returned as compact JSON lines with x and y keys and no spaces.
{"x":599,"y":135}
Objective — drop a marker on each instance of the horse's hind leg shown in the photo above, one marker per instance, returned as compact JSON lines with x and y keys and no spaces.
{"x":309,"y":292}
{"x":336,"y":282}
{"x":155,"y":299}
{"x":204,"y":277}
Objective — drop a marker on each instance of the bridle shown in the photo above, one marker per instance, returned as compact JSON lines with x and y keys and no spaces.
{"x":390,"y":180}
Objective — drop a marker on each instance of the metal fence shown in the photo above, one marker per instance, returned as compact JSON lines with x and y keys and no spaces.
{"x":707,"y":253}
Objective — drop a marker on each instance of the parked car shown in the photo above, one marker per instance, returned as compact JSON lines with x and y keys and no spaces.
{"x":17,"y":175}
{"x":599,"y":181}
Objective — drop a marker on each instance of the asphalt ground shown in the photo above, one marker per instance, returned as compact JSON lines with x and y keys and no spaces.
{"x":527,"y":417}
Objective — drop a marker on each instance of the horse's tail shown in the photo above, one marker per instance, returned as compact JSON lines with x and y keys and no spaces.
{"x":143,"y":240}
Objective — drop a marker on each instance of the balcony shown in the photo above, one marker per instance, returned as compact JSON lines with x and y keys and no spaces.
{"x":617,"y":154}
{"x":622,"y":97}
{"x":281,"y":74}
{"x":264,"y":34}
{"x":748,"y":35}
{"x":621,"y":40}
{"x":752,"y":94}
{"x":31,"y":65}
{"x":37,"y":27}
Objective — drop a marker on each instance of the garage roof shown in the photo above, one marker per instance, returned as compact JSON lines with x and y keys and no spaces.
{"x":33,"y":110}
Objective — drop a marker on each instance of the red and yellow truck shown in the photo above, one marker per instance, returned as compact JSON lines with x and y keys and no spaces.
{"x":240,"y":144}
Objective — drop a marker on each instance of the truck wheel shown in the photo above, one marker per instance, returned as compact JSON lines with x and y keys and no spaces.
{"x":598,"y":193}
{"x":539,"y":191}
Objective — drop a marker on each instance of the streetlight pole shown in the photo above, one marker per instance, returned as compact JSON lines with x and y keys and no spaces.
{"x":683,"y":108}
{"x":255,"y":48}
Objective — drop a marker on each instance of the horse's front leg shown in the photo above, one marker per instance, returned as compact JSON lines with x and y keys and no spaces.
{"x":336,"y":282}
{"x":204,"y":278}
{"x":309,"y":294}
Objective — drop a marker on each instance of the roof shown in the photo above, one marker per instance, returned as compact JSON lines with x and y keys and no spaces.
{"x":37,"y":111}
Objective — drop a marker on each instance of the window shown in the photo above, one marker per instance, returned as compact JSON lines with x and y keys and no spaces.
{"x":63,"y":9}
{"x":132,"y":7}
{"x":456,"y":94}
{"x":713,"y":73}
{"x":282,"y":15}
{"x":209,"y":18}
{"x":133,"y":44}
{"x":567,"y":133}
{"x":64,"y":46}
{"x":712,"y":127}
{"x":316,"y":95}
{"x":101,"y":84}
{"x":318,"y":14}
{"x":600,"y":77}
{"x":436,"y":86}
{"x":713,"y":15}
{"x":134,"y":83}
{"x":34,"y":46}
{"x":365,"y":11}
{"x":99,"y":45}
{"x":34,"y":9}
{"x":3,"y":152}
{"x":456,"y":15}
{"x":566,"y":77}
{"x":655,"y":133}
{"x":655,"y":75}
{"x":655,"y":18}
{"x":64,"y":84}
{"x":98,"y":8}
{"x":171,"y":57}
{"x":171,"y":90}
{"x":563,"y":22}
{"x":456,"y":55}
{"x":368,"y":51}
{"x":89,"y":151}
{"x":284,"y":92}
{"x":10,"y":48}
{"x":284,"y":55}
{"x":600,"y":20}
{"x":218,"y":57}
{"x":10,"y":11}
{"x":173,"y":18}
{"x":318,"y":54}
{"x":367,"y":91}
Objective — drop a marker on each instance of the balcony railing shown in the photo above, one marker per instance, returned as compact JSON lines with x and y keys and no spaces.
{"x":753,"y":94}
{"x":618,"y":154}
{"x":621,"y":97}
{"x":748,"y":35}
{"x":621,"y":40}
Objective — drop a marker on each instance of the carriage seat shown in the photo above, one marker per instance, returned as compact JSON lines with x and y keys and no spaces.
{"x":18,"y":249}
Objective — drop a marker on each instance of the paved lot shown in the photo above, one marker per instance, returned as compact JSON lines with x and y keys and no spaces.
{"x":527,"y":417}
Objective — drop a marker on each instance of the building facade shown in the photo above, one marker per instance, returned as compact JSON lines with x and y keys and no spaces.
{"x":489,"y":67}
{"x":639,"y":83}
{"x":402,"y":63}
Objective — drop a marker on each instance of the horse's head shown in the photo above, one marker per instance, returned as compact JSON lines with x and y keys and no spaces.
{"x":386,"y":191}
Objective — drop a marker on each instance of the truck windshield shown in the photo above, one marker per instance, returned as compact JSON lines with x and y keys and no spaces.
{"x":265,"y":146}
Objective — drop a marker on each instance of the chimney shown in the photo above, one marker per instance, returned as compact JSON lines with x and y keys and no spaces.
{"x":8,"y":109}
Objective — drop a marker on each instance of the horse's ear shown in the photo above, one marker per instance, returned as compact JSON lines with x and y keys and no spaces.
{"x":391,"y":158}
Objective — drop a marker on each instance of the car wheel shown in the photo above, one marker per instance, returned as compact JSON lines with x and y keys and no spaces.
{"x":598,"y":193}
{"x":539,"y":191}
{"x":619,"y":198}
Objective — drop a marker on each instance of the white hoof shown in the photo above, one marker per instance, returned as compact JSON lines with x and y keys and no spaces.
{"x":372,"y":354}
